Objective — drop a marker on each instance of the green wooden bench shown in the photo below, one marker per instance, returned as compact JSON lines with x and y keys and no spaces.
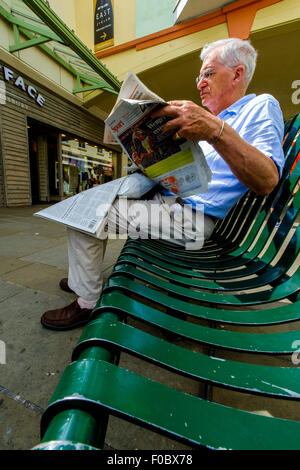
{"x":223,"y":316}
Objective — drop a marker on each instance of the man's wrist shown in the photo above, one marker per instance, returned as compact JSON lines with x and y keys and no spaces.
{"x":217,"y":134}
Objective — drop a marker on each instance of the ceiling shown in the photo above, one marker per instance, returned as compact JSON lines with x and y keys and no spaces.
{"x":277,"y":68}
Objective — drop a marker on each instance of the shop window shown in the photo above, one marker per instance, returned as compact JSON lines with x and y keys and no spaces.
{"x":81,"y":145}
{"x":85,"y":165}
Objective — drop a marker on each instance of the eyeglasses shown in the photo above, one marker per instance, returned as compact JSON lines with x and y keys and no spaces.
{"x":205,"y":75}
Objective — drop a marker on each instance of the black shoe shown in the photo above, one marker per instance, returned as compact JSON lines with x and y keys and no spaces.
{"x":64,"y":285}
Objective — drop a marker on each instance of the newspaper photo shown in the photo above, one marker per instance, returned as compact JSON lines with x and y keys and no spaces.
{"x":178,"y":165}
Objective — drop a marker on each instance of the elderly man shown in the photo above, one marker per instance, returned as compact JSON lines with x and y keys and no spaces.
{"x":241,"y":137}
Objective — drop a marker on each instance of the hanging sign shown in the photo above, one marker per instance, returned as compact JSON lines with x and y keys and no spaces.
{"x":103,"y":24}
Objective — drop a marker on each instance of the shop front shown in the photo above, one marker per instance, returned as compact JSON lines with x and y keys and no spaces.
{"x":50,"y":148}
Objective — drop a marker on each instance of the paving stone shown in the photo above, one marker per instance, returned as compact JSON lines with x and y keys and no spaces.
{"x":56,"y":256}
{"x":35,"y":356}
{"x":9,"y":264}
{"x":37,"y":276}
{"x":22,"y":244}
{"x":19,"y":426}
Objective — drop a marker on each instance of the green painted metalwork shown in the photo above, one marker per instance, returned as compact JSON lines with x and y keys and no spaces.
{"x":82,"y":429}
{"x":251,"y":377}
{"x":278,"y":343}
{"x":91,"y":385}
{"x":37,"y":35}
{"x":77,"y":429}
{"x":64,"y":445}
{"x":279,"y":292}
{"x":40,"y":30}
{"x":30,"y":43}
{"x":231,"y":257}
{"x":17,"y":29}
{"x":80,"y":77}
{"x":119,"y":289}
{"x":41,"y":9}
{"x":266,"y":275}
{"x":251,"y":263}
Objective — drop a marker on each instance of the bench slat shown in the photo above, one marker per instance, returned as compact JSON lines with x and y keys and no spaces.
{"x":281,"y":382}
{"x":92,"y":384}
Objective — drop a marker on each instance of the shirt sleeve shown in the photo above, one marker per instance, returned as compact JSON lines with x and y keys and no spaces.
{"x":264,"y":129}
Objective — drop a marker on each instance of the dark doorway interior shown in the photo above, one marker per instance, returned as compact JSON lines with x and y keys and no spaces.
{"x":34,"y":174}
{"x":43,"y":157}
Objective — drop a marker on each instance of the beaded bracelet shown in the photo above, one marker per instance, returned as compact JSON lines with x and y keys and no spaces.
{"x":220,"y":133}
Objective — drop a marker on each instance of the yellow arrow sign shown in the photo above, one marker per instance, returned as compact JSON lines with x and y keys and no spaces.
{"x":103,"y":36}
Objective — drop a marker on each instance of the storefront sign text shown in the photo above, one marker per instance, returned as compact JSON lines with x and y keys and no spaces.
{"x":18,"y":81}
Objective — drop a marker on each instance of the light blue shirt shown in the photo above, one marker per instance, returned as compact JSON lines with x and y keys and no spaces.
{"x":259,"y":121}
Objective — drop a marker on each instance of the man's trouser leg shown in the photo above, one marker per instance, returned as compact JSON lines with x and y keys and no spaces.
{"x":86,"y":254}
{"x":134,"y":217}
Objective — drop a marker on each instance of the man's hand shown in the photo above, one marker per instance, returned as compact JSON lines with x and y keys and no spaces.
{"x":190,"y":121}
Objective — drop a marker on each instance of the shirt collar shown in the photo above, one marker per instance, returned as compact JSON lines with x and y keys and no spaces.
{"x":236,"y":107}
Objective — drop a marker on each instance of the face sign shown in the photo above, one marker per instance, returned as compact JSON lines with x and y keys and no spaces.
{"x":218,"y":84}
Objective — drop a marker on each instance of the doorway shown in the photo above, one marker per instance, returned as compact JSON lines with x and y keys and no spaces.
{"x":43,"y":144}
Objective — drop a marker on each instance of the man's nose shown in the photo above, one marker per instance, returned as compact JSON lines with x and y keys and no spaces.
{"x":201,"y":84}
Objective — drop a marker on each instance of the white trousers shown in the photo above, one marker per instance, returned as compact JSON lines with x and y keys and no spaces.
{"x":159,"y":218}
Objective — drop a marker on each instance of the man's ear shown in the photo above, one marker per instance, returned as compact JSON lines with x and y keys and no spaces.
{"x":239,"y":74}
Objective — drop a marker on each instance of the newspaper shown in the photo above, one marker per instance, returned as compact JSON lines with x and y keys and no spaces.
{"x":178,"y":165}
{"x":87,"y":211}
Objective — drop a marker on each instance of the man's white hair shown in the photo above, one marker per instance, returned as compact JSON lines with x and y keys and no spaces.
{"x":233,"y":52}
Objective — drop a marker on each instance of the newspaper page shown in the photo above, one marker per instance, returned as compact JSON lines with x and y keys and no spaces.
{"x":134,"y":89}
{"x":178,"y":165}
{"x":86,"y":211}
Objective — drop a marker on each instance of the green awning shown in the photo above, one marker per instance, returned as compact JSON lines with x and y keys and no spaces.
{"x":35,"y":24}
